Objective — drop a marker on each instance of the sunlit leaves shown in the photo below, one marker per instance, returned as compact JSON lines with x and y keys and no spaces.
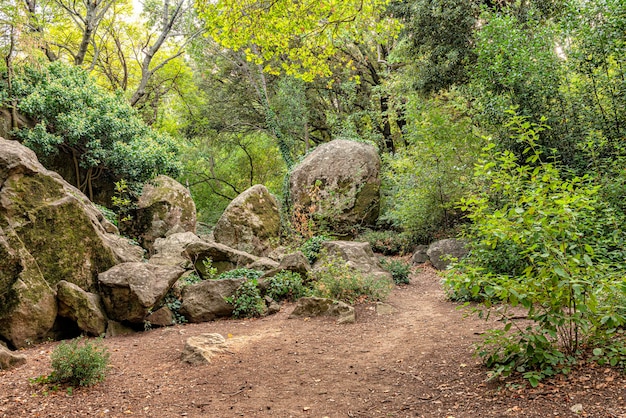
{"x":294,"y":37}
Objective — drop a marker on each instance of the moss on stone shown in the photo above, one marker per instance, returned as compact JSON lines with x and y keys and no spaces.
{"x":58,"y":233}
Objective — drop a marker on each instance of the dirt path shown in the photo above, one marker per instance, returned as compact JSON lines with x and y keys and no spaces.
{"x":414,"y":362}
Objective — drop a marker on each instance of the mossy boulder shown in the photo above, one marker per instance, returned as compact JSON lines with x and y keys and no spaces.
{"x":251,"y":222}
{"x":51,"y":232}
{"x":82,"y":307}
{"x":28,"y":305}
{"x":337,"y":187}
{"x":164,"y":205}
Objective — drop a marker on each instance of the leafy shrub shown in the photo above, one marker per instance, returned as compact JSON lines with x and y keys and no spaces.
{"x":286,"y":285}
{"x":108,"y":214}
{"x":240,"y":273}
{"x":548,"y":229}
{"x":387,"y":242}
{"x":422,"y":181}
{"x":247,"y":300}
{"x":399,"y":270}
{"x":337,"y":280}
{"x":312,"y":247}
{"x":100,"y":129}
{"x":79,"y":362}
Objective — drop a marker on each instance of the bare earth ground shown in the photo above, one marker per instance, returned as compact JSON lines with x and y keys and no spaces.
{"x":416,"y":362}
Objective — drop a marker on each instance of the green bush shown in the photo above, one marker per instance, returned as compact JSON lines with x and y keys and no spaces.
{"x":387,"y":242}
{"x":422,"y":181}
{"x":286,"y":285}
{"x":312,"y":247}
{"x":102,"y":132}
{"x":247,"y":300}
{"x":540,"y":243}
{"x":79,"y":363}
{"x":240,"y":273}
{"x":399,"y":270}
{"x":337,"y":280}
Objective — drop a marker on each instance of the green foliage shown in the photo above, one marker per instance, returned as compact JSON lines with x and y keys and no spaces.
{"x":219,"y":166}
{"x":174,"y":304}
{"x":561,"y":272}
{"x":108,"y":214}
{"x":123,"y":201}
{"x":437,"y":41}
{"x":422,"y":182}
{"x":297,"y":38}
{"x":399,"y":270}
{"x":247,"y":300}
{"x":311,"y":247}
{"x":98,"y":129}
{"x":286,"y":285}
{"x":79,"y":363}
{"x":387,"y":242}
{"x":240,"y":273}
{"x":335,"y":279}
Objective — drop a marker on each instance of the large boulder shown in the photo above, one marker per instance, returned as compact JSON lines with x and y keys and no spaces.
{"x":28,"y":306}
{"x":164,"y":204}
{"x":339,"y":184}
{"x":250,"y":222}
{"x":222,"y":257}
{"x":358,"y":255}
{"x":50,"y":232}
{"x":130,"y":290}
{"x":82,"y":307}
{"x":296,"y":262}
{"x":54,"y":221}
{"x":205,"y":301}
{"x":443,"y":251}
{"x":170,"y":251}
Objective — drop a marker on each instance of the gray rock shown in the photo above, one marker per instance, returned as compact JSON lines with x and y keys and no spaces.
{"x":313,"y":306}
{"x":163,"y":205}
{"x":115,"y":329}
{"x":263,"y":264}
{"x":251,"y":222}
{"x":162,"y":317}
{"x":130,"y":290}
{"x":10,"y":360}
{"x":273,"y":307}
{"x":358,"y":255}
{"x":29,"y":308}
{"x":222,"y":257}
{"x":420,"y":255}
{"x":170,"y":251}
{"x":340,"y":183}
{"x":82,"y":307}
{"x":205,"y":301}
{"x":440,"y":251}
{"x":200,"y":349}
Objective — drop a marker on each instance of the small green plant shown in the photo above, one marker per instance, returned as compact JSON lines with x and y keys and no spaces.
{"x":286,"y":285}
{"x":399,"y":270}
{"x":79,"y":363}
{"x":210,"y":271}
{"x":108,"y":214}
{"x":241,"y":273}
{"x":123,"y":201}
{"x":337,"y":280}
{"x":247,"y":300}
{"x":312,"y":247}
{"x":174,"y":304}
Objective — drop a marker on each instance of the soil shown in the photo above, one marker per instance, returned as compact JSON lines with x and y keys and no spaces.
{"x":414,"y":362}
